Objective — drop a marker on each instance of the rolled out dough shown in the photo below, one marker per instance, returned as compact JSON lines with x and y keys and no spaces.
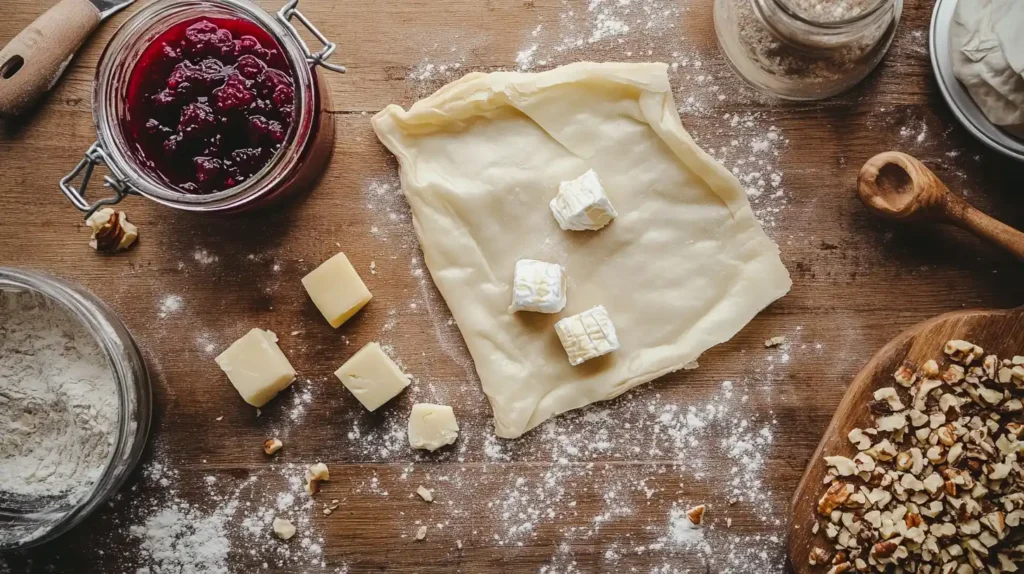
{"x":683,"y":268}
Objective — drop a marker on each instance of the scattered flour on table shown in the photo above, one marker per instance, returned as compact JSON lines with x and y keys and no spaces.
{"x":752,"y":155}
{"x":682,"y":532}
{"x":180,"y":538}
{"x":427,"y":70}
{"x":176,"y":536}
{"x":204,"y":257}
{"x":58,"y":401}
{"x":598,"y":23}
{"x":205,"y":343}
{"x":170,"y":305}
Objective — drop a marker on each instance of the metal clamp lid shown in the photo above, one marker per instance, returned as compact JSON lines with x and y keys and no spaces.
{"x":94,"y":156}
{"x":319,"y":58}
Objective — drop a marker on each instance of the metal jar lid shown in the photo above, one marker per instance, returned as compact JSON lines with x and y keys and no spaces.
{"x":958,"y":98}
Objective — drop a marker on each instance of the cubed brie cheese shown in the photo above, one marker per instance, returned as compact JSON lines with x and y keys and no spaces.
{"x":372,"y":377}
{"x":538,"y":286}
{"x":582,"y":204}
{"x":432,"y":426}
{"x":256,"y":367}
{"x":336,"y":289}
{"x":587,"y":335}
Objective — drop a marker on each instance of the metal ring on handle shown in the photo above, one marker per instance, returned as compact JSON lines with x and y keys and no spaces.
{"x":319,"y":58}
{"x":93,"y":157}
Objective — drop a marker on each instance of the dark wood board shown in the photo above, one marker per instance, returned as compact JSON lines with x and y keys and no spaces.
{"x":998,"y":332}
{"x":858,"y":282}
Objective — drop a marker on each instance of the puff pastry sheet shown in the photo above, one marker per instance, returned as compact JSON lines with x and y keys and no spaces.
{"x":684,"y":267}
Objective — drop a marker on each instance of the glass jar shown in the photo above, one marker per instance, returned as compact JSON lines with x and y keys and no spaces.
{"x":42,"y":520}
{"x":805,"y":49}
{"x":297,"y":164}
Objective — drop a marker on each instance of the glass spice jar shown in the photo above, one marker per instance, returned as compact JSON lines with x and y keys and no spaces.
{"x":301,"y":129}
{"x":805,"y":49}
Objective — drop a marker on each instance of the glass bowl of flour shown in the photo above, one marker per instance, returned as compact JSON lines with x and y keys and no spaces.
{"x":75,"y":406}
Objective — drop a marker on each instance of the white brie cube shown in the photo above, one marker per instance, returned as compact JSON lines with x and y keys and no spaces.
{"x":587,"y":335}
{"x":582,"y":204}
{"x":538,"y":286}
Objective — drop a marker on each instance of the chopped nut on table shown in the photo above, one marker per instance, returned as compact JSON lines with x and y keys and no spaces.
{"x":272,"y":445}
{"x":111,"y":231}
{"x":936,"y":486}
{"x":314,"y":475}
{"x":696,"y":514}
{"x":774,"y":342}
{"x":329,"y":508}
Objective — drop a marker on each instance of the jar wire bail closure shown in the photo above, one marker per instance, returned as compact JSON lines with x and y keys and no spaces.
{"x":290,"y":10}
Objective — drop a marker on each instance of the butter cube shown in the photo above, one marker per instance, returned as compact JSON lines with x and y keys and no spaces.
{"x":336,"y":289}
{"x":256,"y":367}
{"x":587,"y":335}
{"x":432,"y":426}
{"x":372,"y":377}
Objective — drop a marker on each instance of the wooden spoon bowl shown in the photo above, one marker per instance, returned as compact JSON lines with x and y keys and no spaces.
{"x":897,"y":186}
{"x":999,"y":332}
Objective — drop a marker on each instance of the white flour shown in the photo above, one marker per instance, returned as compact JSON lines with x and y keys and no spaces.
{"x":58,"y":402}
{"x":180,"y":539}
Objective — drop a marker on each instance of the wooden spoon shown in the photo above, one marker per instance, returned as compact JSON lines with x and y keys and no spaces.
{"x":898,"y":186}
{"x":998,"y":332}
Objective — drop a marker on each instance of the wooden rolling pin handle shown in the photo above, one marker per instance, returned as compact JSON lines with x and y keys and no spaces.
{"x":31,"y":63}
{"x":963,"y":215}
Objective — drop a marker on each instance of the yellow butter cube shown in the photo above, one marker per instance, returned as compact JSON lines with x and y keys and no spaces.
{"x":372,"y":377}
{"x":256,"y":367}
{"x":432,"y":426}
{"x":336,"y":289}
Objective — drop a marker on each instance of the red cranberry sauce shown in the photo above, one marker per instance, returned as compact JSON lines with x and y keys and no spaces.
{"x":209,"y":104}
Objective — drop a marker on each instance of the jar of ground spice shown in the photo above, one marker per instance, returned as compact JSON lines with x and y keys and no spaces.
{"x":805,"y":49}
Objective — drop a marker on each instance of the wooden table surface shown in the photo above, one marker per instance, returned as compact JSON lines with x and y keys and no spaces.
{"x":592,"y":491}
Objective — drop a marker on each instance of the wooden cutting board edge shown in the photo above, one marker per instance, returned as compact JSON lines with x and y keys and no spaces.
{"x":915,"y":345}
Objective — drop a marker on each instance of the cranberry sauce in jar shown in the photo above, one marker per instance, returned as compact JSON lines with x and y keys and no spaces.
{"x":209,"y":104}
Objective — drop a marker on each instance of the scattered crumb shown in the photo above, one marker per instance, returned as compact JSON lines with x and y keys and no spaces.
{"x":425,"y":494}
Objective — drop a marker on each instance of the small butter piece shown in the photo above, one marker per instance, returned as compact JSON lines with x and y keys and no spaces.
{"x":283,"y":528}
{"x":336,"y":289}
{"x":538,"y":286}
{"x":587,"y":335}
{"x":256,"y":367}
{"x":372,"y":377}
{"x":582,"y":204}
{"x":432,"y":426}
{"x":425,"y":493}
